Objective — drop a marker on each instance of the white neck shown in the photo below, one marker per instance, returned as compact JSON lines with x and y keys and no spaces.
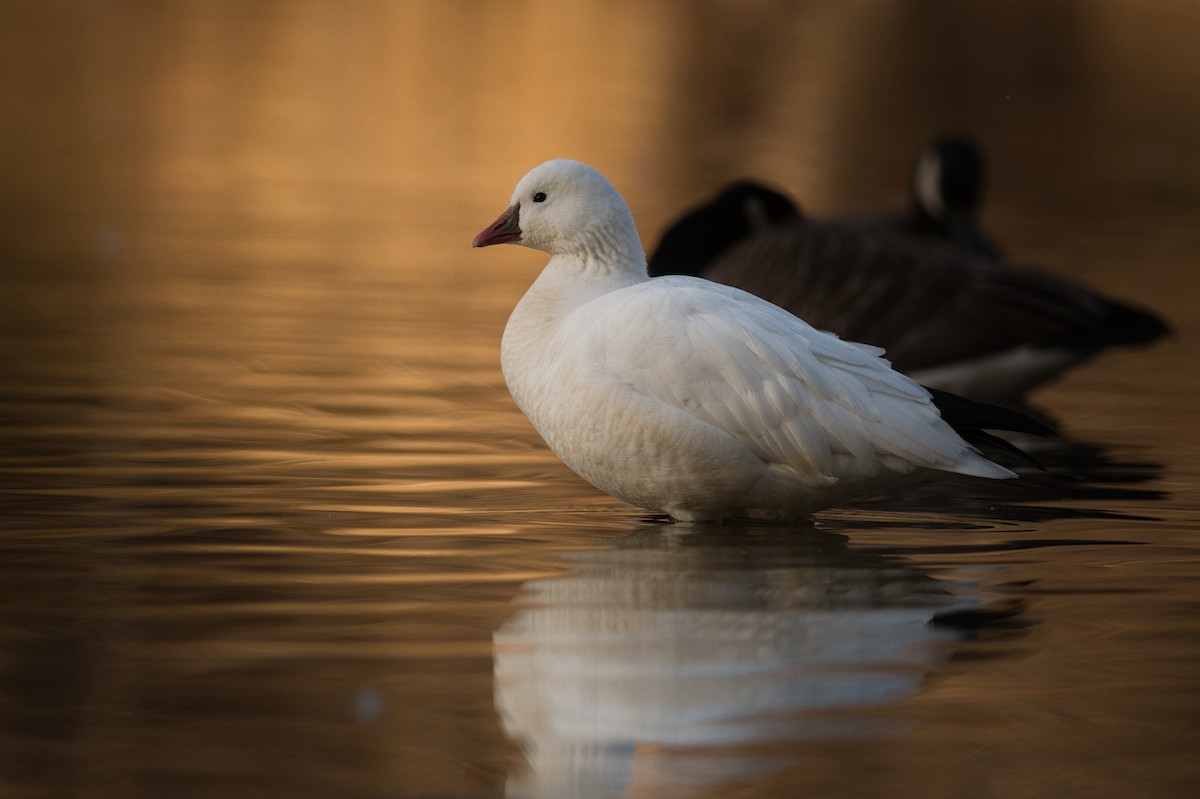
{"x":596,"y":260}
{"x":567,"y":283}
{"x":606,"y":237}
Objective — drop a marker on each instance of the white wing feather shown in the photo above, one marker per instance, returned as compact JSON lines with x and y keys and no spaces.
{"x":791,"y":394}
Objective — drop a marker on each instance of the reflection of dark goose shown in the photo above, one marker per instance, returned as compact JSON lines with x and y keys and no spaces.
{"x":720,"y":640}
{"x":948,"y":317}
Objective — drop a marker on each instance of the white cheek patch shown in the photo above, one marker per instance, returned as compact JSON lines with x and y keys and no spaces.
{"x":927,"y":184}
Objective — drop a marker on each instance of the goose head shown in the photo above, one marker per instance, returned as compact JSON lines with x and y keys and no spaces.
{"x":564,"y":207}
{"x":947,"y":179}
{"x":740,"y":211}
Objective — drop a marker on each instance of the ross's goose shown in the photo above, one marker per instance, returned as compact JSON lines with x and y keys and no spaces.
{"x":949,"y":318}
{"x":696,"y":399}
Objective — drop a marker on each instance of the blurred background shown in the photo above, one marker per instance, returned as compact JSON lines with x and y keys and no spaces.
{"x":367,"y":133}
{"x":268,"y":500}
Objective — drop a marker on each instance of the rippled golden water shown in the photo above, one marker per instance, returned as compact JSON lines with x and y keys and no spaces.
{"x":271,"y":526}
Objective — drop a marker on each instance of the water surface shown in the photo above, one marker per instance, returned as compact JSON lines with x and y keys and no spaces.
{"x":273,"y":528}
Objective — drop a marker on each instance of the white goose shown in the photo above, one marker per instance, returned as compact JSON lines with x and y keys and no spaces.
{"x":696,"y":399}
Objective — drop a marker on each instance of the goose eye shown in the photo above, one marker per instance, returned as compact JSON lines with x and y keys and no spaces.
{"x":540,"y":197}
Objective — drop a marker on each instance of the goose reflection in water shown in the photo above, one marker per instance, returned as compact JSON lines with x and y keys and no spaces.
{"x":665,"y":666}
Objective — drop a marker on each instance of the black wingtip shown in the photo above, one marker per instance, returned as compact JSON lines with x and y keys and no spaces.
{"x":967,"y":414}
{"x":984,"y":440}
{"x":971,"y":418}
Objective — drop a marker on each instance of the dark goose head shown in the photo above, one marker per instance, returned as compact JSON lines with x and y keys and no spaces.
{"x":741,"y":210}
{"x":947,"y":187}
